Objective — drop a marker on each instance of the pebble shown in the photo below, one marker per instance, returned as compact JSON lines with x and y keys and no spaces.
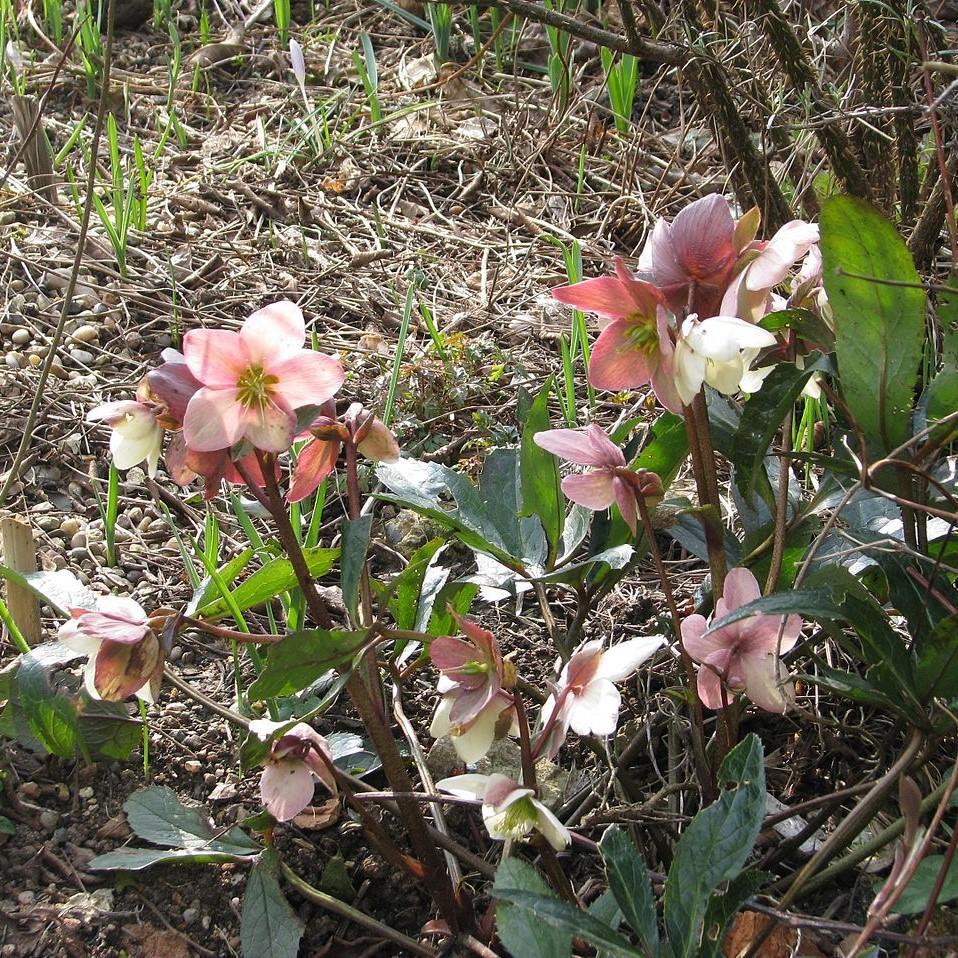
{"x":29,"y":790}
{"x":78,"y":541}
{"x":82,"y":356}
{"x":16,"y":360}
{"x":190,"y":915}
{"x":71,"y":525}
{"x":21,"y":337}
{"x":49,"y":523}
{"x":86,"y":334}
{"x":26,"y":897}
{"x":86,"y":792}
{"x":49,"y":819}
{"x":58,"y":370}
{"x":193,"y":766}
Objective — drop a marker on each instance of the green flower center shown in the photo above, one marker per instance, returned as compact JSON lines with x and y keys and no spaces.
{"x":643,"y":333}
{"x":473,"y":668}
{"x":255,"y":387}
{"x":520,"y":818}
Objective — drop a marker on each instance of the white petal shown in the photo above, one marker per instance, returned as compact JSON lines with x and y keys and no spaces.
{"x":440,"y":721}
{"x":620,"y":661}
{"x":689,"y":371}
{"x":465,"y":786}
{"x":552,"y":830}
{"x":596,"y":710}
{"x":472,"y":744}
{"x":722,"y":337}
{"x":725,"y":376}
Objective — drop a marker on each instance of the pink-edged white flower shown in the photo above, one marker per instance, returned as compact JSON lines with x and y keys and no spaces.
{"x":635,"y":345}
{"x":254,"y":381}
{"x":719,"y":351}
{"x":136,"y":434}
{"x":294,"y":765}
{"x":509,"y":810}
{"x":586,"y":699}
{"x":609,"y":480}
{"x":750,"y":295}
{"x":475,"y":708}
{"x":743,"y":655}
{"x":124,"y":656}
{"x":316,"y":461}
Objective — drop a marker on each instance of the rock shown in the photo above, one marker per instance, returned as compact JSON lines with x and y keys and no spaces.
{"x":193,"y":766}
{"x":16,"y":360}
{"x":86,"y":792}
{"x":49,"y":819}
{"x":409,"y":530}
{"x":79,"y":541}
{"x":21,"y":337}
{"x":86,"y":334}
{"x":70,"y":526}
{"x":82,"y":356}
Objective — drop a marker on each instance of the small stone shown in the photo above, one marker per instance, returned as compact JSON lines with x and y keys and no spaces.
{"x":70,"y":526}
{"x":176,"y":653}
{"x":190,"y":915}
{"x":193,"y":766}
{"x":49,"y":819}
{"x":82,"y":356}
{"x":86,"y":334}
{"x":21,"y":337}
{"x":16,"y":360}
{"x":79,"y":541}
{"x":48,"y":523}
{"x":86,"y":792}
{"x":58,"y":370}
{"x":26,"y":897}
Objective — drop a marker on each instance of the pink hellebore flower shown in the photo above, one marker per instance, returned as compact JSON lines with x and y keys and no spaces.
{"x":635,"y":346}
{"x":124,"y":656}
{"x":136,"y":434}
{"x":254,"y":381}
{"x":586,"y":699}
{"x":610,"y":480}
{"x":293,"y":767}
{"x":750,"y":295}
{"x":372,"y":437}
{"x":742,"y":655}
{"x":509,"y":810}
{"x":475,"y":708}
{"x":696,"y":254}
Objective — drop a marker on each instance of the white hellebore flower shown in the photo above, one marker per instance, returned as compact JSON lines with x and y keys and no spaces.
{"x":136,"y":437}
{"x":719,"y":351}
{"x":509,"y":810}
{"x":586,"y":697}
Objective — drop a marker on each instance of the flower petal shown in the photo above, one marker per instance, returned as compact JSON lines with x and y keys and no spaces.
{"x":620,"y":661}
{"x":286,"y":788}
{"x":783,"y":250}
{"x":380,"y":444}
{"x":214,"y":356}
{"x":307,"y":379}
{"x":723,"y":337}
{"x":596,"y":709}
{"x":314,"y":464}
{"x":274,"y":333}
{"x":591,"y":489}
{"x":551,"y":829}
{"x":270,"y":427}
{"x":475,"y":741}
{"x":625,"y":499}
{"x":741,"y":587}
{"x":579,"y":446}
{"x":214,"y":420}
{"x":465,"y":786}
{"x":703,"y":237}
{"x":699,"y":645}
{"x":710,"y":680}
{"x":761,"y":680}
{"x":689,"y":371}
{"x":618,"y":361}
{"x":605,"y":295}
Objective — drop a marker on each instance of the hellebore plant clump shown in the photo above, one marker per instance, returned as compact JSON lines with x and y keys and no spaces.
{"x":729,"y":332}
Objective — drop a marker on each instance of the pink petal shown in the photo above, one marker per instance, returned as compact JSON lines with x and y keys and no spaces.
{"x":501,"y":791}
{"x":699,"y":645}
{"x":108,"y":628}
{"x":741,"y":587}
{"x":604,"y":295}
{"x":271,"y":427}
{"x":617,"y":361}
{"x":710,"y":682}
{"x":274,"y":333}
{"x":625,"y":498}
{"x":703,"y":237}
{"x":286,"y":788}
{"x":665,"y":266}
{"x":784,"y":249}
{"x":579,"y":446}
{"x":447,"y":652}
{"x":314,"y":464}
{"x":114,"y":411}
{"x":760,"y":678}
{"x":592,"y":489}
{"x":173,"y":384}
{"x":469,"y":703}
{"x":214,"y":420}
{"x":214,"y":356}
{"x":307,"y":379}
{"x":122,"y":669}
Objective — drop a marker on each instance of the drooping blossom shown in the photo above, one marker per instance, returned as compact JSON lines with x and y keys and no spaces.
{"x":635,"y":345}
{"x":719,"y":351}
{"x":316,"y":461}
{"x":609,"y":480}
{"x":476,"y":707}
{"x":692,"y":259}
{"x":292,"y":768}
{"x":751,"y":295}
{"x":298,"y":63}
{"x":136,"y":434}
{"x":124,"y":654}
{"x":743,"y":655}
{"x":586,"y":699}
{"x":509,"y":810}
{"x":254,"y":381}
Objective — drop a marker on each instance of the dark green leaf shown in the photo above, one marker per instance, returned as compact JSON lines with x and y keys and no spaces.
{"x":715,"y":846}
{"x":269,"y":928}
{"x":806,"y":324}
{"x":156,"y":814}
{"x":273,"y":579}
{"x":354,"y":548}
{"x":879,"y":318}
{"x":61,"y":590}
{"x":520,"y":929}
{"x":7,"y":827}
{"x":849,"y":686}
{"x":133,"y":859}
{"x":915,"y":897}
{"x":629,"y":881}
{"x":723,"y":908}
{"x":407,"y":586}
{"x":457,"y":594}
{"x":52,"y":717}
{"x":666,"y":450}
{"x":108,"y":730}
{"x":936,"y":672}
{"x":539,"y":471}
{"x":433,"y":582}
{"x":301,"y":658}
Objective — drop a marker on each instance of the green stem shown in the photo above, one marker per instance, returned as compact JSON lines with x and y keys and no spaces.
{"x":146,"y":738}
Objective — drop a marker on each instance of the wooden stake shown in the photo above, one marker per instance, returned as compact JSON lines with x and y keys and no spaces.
{"x":20,"y":554}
